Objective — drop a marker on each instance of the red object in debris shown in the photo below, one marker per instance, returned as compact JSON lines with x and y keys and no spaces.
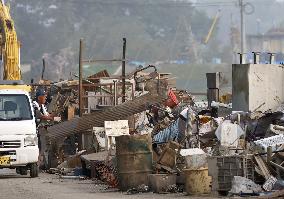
{"x":172,"y":100}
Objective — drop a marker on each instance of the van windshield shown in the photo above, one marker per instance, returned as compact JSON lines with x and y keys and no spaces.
{"x":15,"y":107}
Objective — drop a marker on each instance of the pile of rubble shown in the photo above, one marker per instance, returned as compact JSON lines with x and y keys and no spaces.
{"x":163,"y":141}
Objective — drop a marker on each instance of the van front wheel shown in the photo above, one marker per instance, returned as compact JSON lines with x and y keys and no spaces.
{"x":34,"y":170}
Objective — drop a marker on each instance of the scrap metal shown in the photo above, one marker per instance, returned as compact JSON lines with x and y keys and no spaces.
{"x":106,"y":172}
{"x":97,"y":119}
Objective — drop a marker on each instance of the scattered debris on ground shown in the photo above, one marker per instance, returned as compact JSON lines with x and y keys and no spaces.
{"x":162,"y":140}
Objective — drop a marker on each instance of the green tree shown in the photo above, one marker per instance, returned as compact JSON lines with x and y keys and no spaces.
{"x":155,"y":29}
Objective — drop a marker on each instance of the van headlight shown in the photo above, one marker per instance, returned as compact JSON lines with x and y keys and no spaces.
{"x":31,"y":141}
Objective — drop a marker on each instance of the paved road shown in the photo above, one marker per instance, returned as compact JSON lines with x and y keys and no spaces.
{"x":47,"y":186}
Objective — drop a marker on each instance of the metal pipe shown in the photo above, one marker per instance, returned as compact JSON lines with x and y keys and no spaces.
{"x":271,"y":58}
{"x":123,"y":70}
{"x":81,"y":78}
{"x":256,"y":57}
{"x":242,"y":58}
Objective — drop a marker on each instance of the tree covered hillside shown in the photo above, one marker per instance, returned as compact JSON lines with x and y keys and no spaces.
{"x":156,"y":30}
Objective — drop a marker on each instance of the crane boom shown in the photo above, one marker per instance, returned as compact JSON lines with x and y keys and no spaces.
{"x":10,"y":46}
{"x":212,"y":27}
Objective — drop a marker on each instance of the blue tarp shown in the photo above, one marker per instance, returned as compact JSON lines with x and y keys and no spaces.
{"x":170,"y":133}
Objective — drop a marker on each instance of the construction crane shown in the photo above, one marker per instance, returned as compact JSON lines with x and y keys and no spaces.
{"x":206,"y":40}
{"x":10,"y":46}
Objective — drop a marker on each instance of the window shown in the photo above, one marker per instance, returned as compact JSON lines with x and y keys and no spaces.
{"x":15,"y":107}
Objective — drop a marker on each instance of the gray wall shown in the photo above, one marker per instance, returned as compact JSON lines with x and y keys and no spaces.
{"x":257,"y":86}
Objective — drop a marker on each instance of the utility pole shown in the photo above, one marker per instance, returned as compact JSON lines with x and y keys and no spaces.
{"x":43,"y":68}
{"x":123,"y":70}
{"x":243,"y":34}
{"x":81,"y":78}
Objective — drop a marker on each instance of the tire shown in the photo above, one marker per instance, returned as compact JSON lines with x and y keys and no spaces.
{"x":34,"y":170}
{"x":23,"y":171}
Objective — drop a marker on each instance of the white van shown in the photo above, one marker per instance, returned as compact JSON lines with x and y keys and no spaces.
{"x":18,"y":137}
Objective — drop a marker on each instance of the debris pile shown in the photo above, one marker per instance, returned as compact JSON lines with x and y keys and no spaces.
{"x":162,"y":140}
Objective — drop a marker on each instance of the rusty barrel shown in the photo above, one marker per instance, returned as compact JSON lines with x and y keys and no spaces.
{"x":134,"y":160}
{"x":197,"y":181}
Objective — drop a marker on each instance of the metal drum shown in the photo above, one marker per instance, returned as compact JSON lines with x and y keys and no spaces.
{"x":134,"y":160}
{"x":197,"y":181}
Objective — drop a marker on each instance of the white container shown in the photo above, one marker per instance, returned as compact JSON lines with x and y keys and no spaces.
{"x":194,"y":158}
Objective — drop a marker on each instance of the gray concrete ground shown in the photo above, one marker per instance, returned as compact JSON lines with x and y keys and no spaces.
{"x":47,"y":186}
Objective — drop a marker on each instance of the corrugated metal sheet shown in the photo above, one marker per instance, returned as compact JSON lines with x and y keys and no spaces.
{"x":170,"y":133}
{"x":97,"y":119}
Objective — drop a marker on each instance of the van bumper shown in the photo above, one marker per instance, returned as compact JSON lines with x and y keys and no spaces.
{"x":20,"y":156}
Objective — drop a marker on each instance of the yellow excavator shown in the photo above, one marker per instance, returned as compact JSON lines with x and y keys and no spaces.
{"x":17,"y":119}
{"x":9,"y":51}
{"x":10,"y":46}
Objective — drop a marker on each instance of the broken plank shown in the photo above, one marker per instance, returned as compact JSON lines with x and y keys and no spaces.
{"x":277,"y":165}
{"x":262,"y":167}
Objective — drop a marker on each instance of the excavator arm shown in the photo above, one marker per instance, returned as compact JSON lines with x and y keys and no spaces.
{"x":10,"y":46}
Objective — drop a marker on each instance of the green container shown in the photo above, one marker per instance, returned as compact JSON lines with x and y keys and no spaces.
{"x":134,"y":160}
